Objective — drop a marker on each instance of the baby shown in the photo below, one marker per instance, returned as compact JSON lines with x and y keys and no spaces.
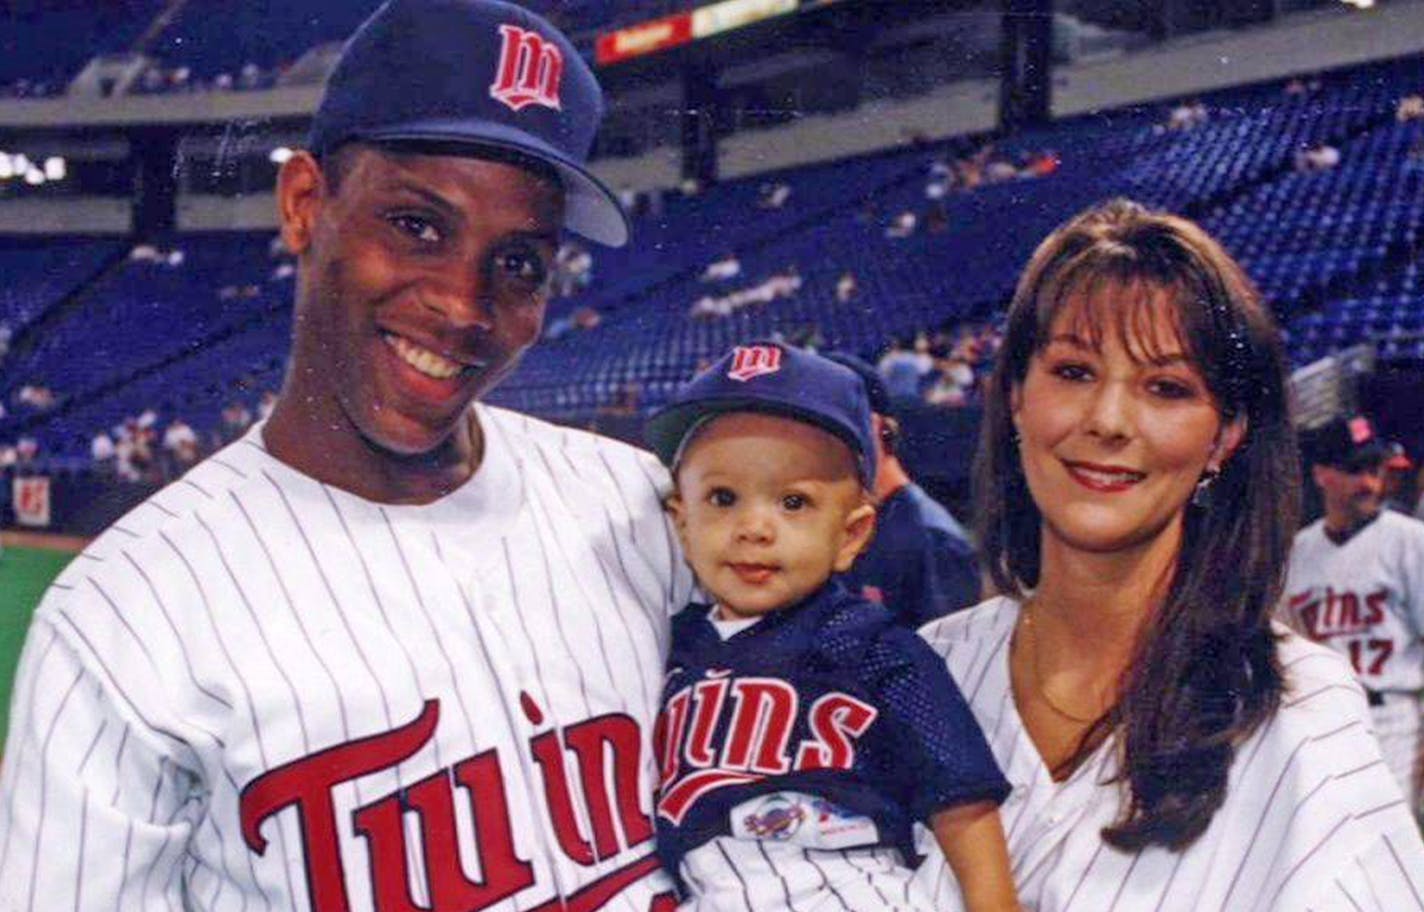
{"x":802,"y":733}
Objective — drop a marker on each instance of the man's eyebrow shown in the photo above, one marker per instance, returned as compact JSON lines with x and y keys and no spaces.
{"x":400,"y":185}
{"x":453,"y":212}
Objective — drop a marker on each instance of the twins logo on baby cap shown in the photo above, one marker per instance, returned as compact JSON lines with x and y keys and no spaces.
{"x":754,"y":361}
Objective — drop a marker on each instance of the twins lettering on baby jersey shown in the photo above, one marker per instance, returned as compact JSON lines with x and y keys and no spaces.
{"x":724,"y":731}
{"x":603,"y":753}
{"x":1352,"y":621}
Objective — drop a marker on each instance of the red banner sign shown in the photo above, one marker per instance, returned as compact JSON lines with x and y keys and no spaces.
{"x":643,"y":38}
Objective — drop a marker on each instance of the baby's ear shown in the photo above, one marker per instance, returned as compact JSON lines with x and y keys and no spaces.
{"x":858,"y":530}
{"x":676,"y":511}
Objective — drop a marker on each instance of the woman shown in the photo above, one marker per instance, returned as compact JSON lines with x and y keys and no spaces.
{"x":1137,"y":483}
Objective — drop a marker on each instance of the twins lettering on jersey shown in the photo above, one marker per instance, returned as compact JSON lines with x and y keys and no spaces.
{"x":1334,"y":614}
{"x":725,"y":731}
{"x":603,"y":752}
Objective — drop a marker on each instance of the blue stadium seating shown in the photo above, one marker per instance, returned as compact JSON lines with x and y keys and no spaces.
{"x":1336,"y":253}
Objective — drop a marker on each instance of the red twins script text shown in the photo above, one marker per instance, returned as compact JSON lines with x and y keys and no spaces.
{"x":760,"y":715}
{"x":603,"y":750}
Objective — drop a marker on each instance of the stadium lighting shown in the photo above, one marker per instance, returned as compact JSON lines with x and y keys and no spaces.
{"x":55,"y":168}
{"x":279,"y":155}
{"x":34,"y":177}
{"x":20,"y":163}
{"x":6,"y":171}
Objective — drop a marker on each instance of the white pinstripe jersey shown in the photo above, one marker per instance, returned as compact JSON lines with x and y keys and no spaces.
{"x":258,"y":692}
{"x":1364,"y":598}
{"x":1312,"y":819}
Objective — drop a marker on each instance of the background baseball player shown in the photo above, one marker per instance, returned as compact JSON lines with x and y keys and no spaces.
{"x":920,"y":562}
{"x":392,"y":649}
{"x":1356,"y":583}
{"x":803,"y":732}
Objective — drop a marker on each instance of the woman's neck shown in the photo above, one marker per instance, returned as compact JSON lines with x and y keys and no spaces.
{"x":1091,"y":606}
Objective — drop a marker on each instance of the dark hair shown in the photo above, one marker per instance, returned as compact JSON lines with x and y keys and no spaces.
{"x":1205,"y":673}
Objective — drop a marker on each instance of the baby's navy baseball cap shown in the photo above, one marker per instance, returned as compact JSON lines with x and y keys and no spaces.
{"x":773,"y":379}
{"x":476,"y":73}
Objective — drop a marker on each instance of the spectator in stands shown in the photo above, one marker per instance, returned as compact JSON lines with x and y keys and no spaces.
{"x":1187,"y":114}
{"x":180,"y":447}
{"x":8,"y":456}
{"x":1319,"y":156}
{"x":573,"y":268}
{"x":953,"y":385}
{"x":999,"y":170}
{"x":773,"y":196}
{"x":38,"y":397}
{"x":27,"y":450}
{"x":902,"y":226}
{"x":102,"y":452}
{"x":904,"y":369}
{"x":249,"y":77}
{"x":6,"y":334}
{"x":235,"y":421}
{"x":847,"y":287}
{"x":1411,"y":107}
{"x":722,"y":269}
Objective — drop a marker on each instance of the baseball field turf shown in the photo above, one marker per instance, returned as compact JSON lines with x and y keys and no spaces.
{"x":24,"y":574}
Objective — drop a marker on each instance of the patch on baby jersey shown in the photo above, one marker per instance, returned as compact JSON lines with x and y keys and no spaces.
{"x":804,"y":820}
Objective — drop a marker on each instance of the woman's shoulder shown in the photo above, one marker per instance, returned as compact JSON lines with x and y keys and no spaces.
{"x":963,"y":636}
{"x":1311,"y":783}
{"x":1319,"y":685}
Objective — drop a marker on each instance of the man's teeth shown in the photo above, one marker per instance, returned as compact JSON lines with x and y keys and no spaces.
{"x":422,"y":359}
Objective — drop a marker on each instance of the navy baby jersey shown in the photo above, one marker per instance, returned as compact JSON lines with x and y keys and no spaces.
{"x":828,"y":699}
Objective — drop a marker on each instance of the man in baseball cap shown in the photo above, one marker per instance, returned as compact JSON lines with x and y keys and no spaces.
{"x":920,"y":563}
{"x":1356,"y":584}
{"x":387,"y":597}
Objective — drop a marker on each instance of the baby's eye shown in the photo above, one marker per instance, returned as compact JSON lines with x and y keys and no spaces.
{"x":721,"y":497}
{"x":795,"y":502}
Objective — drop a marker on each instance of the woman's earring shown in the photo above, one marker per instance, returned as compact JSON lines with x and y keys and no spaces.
{"x":1201,"y":497}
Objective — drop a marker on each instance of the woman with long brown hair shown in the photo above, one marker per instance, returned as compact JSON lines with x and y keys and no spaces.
{"x":1136,"y":491}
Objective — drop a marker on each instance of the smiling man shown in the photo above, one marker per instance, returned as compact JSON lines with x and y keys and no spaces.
{"x":393,"y":649}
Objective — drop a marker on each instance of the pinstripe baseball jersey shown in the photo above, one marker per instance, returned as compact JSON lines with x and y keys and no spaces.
{"x":259,"y":692}
{"x":821,"y":730}
{"x":1311,"y":820}
{"x":1364,"y":598}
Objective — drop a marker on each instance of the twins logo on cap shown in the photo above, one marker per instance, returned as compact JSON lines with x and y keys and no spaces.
{"x":750,"y":361}
{"x":530,"y":70}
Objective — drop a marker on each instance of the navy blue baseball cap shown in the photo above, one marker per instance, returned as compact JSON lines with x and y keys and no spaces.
{"x":1349,"y":444}
{"x":874,"y":383}
{"x":773,"y":379}
{"x":480,"y":74}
